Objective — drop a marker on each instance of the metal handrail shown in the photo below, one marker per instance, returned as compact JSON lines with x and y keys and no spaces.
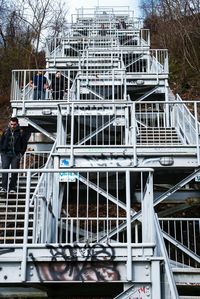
{"x":171,"y":281}
{"x":44,"y":168}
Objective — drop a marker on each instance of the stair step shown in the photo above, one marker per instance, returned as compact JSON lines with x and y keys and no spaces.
{"x":18,"y":231}
{"x":158,"y":132}
{"x":158,"y":136}
{"x":8,"y":238}
{"x":13,"y":220}
{"x":158,"y":140}
{"x":14,"y":213}
{"x":8,"y":206}
{"x":151,"y":135}
{"x":96,"y":59}
{"x":19,"y":196}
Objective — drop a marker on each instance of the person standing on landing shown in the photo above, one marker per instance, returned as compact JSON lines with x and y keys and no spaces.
{"x":58,"y":86}
{"x":13,"y":144}
{"x":39,"y":85}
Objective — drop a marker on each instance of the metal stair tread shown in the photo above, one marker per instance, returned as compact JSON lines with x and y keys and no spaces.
{"x":16,"y":229}
{"x":164,"y":133}
{"x":2,"y":221}
{"x":13,"y":238}
{"x":16,"y":213}
{"x":12,"y":206}
{"x":189,"y":297}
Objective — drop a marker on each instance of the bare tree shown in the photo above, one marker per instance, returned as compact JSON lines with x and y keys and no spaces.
{"x":3,"y":16}
{"x":44,"y":17}
{"x":176,"y":26}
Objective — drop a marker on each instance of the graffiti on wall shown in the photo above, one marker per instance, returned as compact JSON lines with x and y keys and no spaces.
{"x":138,"y":292}
{"x":95,"y":252}
{"x":78,"y":263}
{"x":101,"y":161}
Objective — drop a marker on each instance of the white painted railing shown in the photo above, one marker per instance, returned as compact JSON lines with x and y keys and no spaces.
{"x":87,"y":205}
{"x":182,"y":237}
{"x":111,"y":124}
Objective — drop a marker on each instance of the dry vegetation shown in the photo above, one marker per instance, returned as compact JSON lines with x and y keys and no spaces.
{"x":22,"y":39}
{"x":175,"y":25}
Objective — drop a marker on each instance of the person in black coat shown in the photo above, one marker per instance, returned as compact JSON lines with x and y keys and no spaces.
{"x":13,"y":144}
{"x":58,"y":86}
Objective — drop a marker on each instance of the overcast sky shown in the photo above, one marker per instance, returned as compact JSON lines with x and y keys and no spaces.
{"x":73,"y":4}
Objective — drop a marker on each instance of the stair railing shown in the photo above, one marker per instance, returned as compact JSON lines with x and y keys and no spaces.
{"x":34,"y":159}
{"x":185,"y":119}
{"x":157,"y":200}
{"x":170,"y":291}
{"x":46,"y":166}
{"x":182,"y":238}
{"x":42,"y":202}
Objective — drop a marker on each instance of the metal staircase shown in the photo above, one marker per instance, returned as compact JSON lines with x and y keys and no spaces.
{"x":12,"y":215}
{"x":107,"y":161}
{"x":156,"y":136}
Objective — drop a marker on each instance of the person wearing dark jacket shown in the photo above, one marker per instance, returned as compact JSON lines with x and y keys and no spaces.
{"x":39,"y":85}
{"x":57,"y":86}
{"x":13,"y":144}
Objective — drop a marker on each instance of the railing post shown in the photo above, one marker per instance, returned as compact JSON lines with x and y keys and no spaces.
{"x":113,"y":85}
{"x":128,"y":229}
{"x":59,"y":125}
{"x":157,"y":64}
{"x":125,"y":86}
{"x":169,"y":274}
{"x":149,"y":57}
{"x":148,"y":38}
{"x":68,"y":86}
{"x":148,"y":232}
{"x":127,"y":126}
{"x":197,"y":131}
{"x":61,"y":130}
{"x":166,"y":105}
{"x":72,"y":138}
{"x":26,"y":226}
{"x":54,"y":51}
{"x":24,"y":92}
{"x":13,"y":87}
{"x":134,"y":133}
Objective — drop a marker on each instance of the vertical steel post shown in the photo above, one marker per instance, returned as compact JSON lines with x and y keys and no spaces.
{"x":157,"y":65}
{"x":25,"y":238}
{"x":128,"y":231}
{"x":156,"y":279}
{"x":125,"y":86}
{"x":166,"y":101}
{"x":54,"y":50}
{"x":134,"y":132}
{"x":72,"y":137}
{"x":127,"y":126}
{"x":59,"y":121}
{"x":197,"y":131}
{"x":68,"y":85}
{"x":24,"y":92}
{"x":55,"y":200}
{"x":113,"y":85}
{"x":148,"y":231}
